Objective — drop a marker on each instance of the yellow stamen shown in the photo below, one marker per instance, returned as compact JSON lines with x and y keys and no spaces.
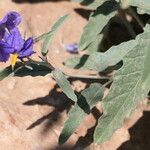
{"x":14,"y":60}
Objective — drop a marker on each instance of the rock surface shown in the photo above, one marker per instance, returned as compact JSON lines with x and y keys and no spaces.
{"x":32,"y":110}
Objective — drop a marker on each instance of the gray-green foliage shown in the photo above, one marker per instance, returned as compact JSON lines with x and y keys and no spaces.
{"x":93,"y":4}
{"x":97,"y":22}
{"x":33,"y":68}
{"x":64,"y":84}
{"x":131,"y":85}
{"x":142,"y":5}
{"x":86,"y":101}
{"x":100,"y":61}
{"x":50,"y":35}
{"x":104,"y":11}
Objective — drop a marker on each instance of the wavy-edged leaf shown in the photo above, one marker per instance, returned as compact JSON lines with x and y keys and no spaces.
{"x":100,"y":61}
{"x":49,"y":37}
{"x":97,"y":22}
{"x":129,"y":87}
{"x":87,"y":100}
{"x":64,"y":84}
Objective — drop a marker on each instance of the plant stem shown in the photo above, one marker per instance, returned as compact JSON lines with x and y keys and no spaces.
{"x":41,"y":37}
{"x":47,"y":64}
{"x":96,"y":77}
{"x":107,"y":83}
{"x":136,"y":17}
{"x":126,"y":23}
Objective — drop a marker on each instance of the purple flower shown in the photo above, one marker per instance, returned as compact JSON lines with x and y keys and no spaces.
{"x":14,"y":44}
{"x":72,"y":48}
{"x":11,"y":41}
{"x":5,"y":51}
{"x":9,"y":22}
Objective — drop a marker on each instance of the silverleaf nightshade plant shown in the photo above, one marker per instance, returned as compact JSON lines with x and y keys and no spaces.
{"x":123,"y":67}
{"x":106,"y":52}
{"x":11,"y":41}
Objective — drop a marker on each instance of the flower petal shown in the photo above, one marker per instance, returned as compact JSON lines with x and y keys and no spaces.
{"x":2,"y":33}
{"x":27,"y":49}
{"x":6,"y":48}
{"x":72,"y":48}
{"x":28,"y":43}
{"x":4,"y":56}
{"x":14,"y":40}
{"x":11,"y":20}
{"x":5,"y":51}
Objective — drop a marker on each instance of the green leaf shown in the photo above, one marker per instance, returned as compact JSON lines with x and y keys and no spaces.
{"x":33,"y":68}
{"x":143,"y":11}
{"x":97,"y":22}
{"x":5,"y":72}
{"x":9,"y":72}
{"x":95,"y":45}
{"x":64,"y":84}
{"x":93,"y":4}
{"x":100,"y":61}
{"x":77,"y":62}
{"x":52,"y":33}
{"x":97,"y":3}
{"x":87,"y":100}
{"x":142,"y":5}
{"x":83,"y":2}
{"x":128,"y":89}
